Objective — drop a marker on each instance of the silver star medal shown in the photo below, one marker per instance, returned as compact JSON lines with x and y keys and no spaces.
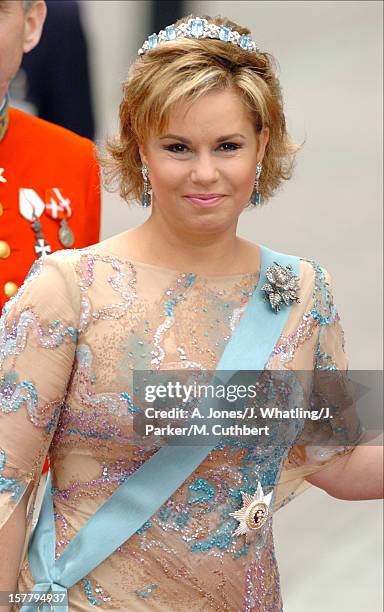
{"x":283,"y":286}
{"x":254,"y":512}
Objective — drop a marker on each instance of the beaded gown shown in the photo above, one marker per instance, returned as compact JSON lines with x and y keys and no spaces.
{"x":71,"y":338}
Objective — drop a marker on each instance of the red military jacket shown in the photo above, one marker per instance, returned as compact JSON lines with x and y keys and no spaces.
{"x":55,"y":168}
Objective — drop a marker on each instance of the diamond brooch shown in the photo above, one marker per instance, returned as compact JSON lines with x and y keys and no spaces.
{"x":254,"y":512}
{"x":283,"y":286}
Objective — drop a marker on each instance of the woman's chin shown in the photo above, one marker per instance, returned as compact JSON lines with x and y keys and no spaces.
{"x":210,"y":224}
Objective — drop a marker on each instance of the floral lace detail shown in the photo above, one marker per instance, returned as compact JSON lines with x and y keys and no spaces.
{"x":72,"y":339}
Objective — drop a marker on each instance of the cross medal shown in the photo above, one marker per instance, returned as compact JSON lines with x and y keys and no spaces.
{"x":41,"y":247}
{"x":31,"y":207}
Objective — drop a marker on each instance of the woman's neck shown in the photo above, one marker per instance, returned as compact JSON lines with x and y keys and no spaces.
{"x":209,"y":254}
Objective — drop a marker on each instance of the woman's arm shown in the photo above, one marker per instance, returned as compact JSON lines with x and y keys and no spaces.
{"x":38,"y":336}
{"x":355,"y":476}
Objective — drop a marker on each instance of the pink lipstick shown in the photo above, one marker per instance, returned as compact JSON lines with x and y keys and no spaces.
{"x":204,"y":199}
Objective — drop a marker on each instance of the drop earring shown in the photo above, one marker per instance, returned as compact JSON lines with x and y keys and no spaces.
{"x":256,"y":196}
{"x":146,"y":198}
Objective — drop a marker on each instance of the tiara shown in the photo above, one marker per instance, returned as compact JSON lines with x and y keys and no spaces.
{"x":199,"y":28}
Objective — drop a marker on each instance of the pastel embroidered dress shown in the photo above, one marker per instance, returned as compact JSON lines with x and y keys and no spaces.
{"x":71,"y":339}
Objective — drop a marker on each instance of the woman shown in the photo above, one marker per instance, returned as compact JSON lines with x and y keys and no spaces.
{"x":202,"y":137}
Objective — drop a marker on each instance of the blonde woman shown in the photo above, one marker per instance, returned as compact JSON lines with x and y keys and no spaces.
{"x":128,"y":522}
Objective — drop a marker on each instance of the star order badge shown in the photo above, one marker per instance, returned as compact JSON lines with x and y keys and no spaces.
{"x":254,"y":512}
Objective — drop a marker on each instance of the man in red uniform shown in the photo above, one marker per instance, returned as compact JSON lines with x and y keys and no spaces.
{"x":49,"y":179}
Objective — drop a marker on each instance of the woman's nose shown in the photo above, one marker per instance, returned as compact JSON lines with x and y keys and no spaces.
{"x":204,"y":170}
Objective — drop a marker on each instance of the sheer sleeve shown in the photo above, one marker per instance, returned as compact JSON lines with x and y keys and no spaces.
{"x":338,"y":429}
{"x":37,"y":346}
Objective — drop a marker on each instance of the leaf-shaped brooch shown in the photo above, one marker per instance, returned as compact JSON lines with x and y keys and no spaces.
{"x":254,"y":512}
{"x":283,"y":286}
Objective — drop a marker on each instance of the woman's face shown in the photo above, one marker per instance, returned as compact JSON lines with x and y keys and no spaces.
{"x":202,"y":169}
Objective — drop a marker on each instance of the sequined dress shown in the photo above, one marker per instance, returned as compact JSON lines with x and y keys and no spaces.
{"x":71,"y":338}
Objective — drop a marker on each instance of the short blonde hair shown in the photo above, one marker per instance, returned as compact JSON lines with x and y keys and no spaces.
{"x":183,"y":70}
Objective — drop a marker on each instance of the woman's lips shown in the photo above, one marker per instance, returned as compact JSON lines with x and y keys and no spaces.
{"x":204,"y":201}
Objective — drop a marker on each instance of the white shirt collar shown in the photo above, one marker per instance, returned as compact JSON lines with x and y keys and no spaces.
{"x":3,"y":103}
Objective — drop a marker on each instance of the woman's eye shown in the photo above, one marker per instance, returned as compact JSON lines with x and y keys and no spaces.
{"x":173,"y":148}
{"x":233,"y":146}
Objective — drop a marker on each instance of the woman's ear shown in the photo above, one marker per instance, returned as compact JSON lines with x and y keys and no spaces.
{"x":263,"y":138}
{"x":142,"y":154}
{"x":33,"y":24}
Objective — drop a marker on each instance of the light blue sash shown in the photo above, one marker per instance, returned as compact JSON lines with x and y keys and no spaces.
{"x":142,"y":494}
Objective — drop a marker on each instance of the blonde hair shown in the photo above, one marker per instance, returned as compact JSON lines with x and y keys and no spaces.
{"x":183,"y":70}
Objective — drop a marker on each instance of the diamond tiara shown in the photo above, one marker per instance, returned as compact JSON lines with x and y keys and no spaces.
{"x":198,"y":28}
